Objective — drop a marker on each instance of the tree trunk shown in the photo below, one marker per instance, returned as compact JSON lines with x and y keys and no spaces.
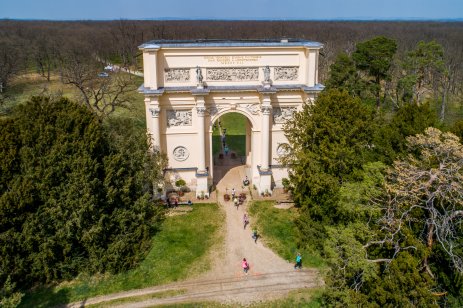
{"x":442,"y":108}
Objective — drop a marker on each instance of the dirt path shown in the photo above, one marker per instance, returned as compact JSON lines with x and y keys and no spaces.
{"x":269,"y":276}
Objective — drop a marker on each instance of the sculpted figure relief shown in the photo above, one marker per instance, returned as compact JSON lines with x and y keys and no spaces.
{"x":215,"y":109}
{"x":180,"y":153}
{"x":253,"y":108}
{"x":286,"y":73}
{"x":283,"y":114}
{"x":179,"y":118}
{"x":199,"y":75}
{"x":232,"y":74}
{"x":177,"y":74}
{"x":282,"y":149}
{"x":266,"y":73}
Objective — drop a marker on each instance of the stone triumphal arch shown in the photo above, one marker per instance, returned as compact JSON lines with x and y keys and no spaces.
{"x":188,"y":85}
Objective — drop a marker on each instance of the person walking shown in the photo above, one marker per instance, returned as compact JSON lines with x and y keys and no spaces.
{"x":233,"y":193}
{"x":245,"y":220}
{"x":254,"y":235}
{"x":298,"y":261}
{"x":236,"y":202}
{"x":245,"y":266}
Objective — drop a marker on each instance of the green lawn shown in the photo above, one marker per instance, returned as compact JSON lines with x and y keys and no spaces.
{"x":178,"y":251}
{"x":235,"y":124}
{"x":279,"y":232}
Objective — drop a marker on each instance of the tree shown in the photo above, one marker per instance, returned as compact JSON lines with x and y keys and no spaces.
{"x":390,"y":136}
{"x":426,"y":192}
{"x":76,"y":198}
{"x":424,"y":66}
{"x":100,"y":94}
{"x":328,"y":141}
{"x":10,"y":62}
{"x":374,"y":57}
{"x":457,"y":129}
{"x":343,"y":75}
{"x":8,"y":297}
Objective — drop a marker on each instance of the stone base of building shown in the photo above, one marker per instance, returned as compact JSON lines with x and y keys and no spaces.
{"x":265,"y":184}
{"x":202,"y":186}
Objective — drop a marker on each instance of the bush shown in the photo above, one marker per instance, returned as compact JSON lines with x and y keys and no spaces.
{"x":180,"y":183}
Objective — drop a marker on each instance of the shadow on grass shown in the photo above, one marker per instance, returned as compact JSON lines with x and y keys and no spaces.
{"x":45,"y":297}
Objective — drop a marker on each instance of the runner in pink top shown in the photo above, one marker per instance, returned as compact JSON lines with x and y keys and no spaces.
{"x":245,"y":266}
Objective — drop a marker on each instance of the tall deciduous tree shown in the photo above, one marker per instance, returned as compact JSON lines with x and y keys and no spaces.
{"x":426,"y":192}
{"x":374,"y":57}
{"x":100,"y":94}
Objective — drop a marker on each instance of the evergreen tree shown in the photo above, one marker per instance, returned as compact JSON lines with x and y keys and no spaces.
{"x":374,"y":57}
{"x":74,"y":198}
{"x":329,"y":140}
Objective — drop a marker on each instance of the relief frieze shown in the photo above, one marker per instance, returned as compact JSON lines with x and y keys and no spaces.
{"x":232,"y":74}
{"x":286,"y":72}
{"x":283,"y":114}
{"x":177,"y":74}
{"x":179,"y":118}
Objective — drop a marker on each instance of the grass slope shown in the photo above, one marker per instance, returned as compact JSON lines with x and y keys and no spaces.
{"x":178,"y":251}
{"x":279,"y":232}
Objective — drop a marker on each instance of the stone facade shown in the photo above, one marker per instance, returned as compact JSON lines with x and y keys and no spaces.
{"x":188,"y":85}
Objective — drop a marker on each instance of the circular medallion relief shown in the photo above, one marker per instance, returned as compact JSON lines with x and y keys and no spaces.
{"x":282,"y":149}
{"x":181,"y":153}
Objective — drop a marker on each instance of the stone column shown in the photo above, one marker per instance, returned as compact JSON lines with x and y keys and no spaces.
{"x":201,"y":112}
{"x":265,"y":174}
{"x":202,"y":175}
{"x":152,"y":119}
{"x":266,"y":110}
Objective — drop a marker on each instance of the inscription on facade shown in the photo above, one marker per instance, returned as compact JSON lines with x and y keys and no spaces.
{"x":177,"y":74}
{"x":179,"y":118}
{"x":286,"y":72}
{"x":283,"y":114}
{"x":232,"y":60}
{"x":233,"y":74}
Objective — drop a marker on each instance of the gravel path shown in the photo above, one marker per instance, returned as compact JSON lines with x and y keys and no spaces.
{"x":269,"y":276}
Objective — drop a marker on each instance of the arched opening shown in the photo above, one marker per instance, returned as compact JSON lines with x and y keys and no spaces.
{"x":231,"y":144}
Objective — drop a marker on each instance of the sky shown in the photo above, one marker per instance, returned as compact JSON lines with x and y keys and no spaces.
{"x":231,"y":9}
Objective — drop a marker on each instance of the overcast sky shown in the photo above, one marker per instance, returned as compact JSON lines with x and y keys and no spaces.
{"x":231,"y":9}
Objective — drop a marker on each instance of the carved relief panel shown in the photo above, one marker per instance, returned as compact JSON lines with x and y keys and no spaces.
{"x":283,"y":114}
{"x":286,"y":72}
{"x":179,"y":118}
{"x":177,"y":74}
{"x":232,"y":74}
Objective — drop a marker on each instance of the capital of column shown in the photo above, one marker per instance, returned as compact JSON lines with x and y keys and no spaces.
{"x":266,"y":109}
{"x":201,"y":110}
{"x":155,"y":111}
